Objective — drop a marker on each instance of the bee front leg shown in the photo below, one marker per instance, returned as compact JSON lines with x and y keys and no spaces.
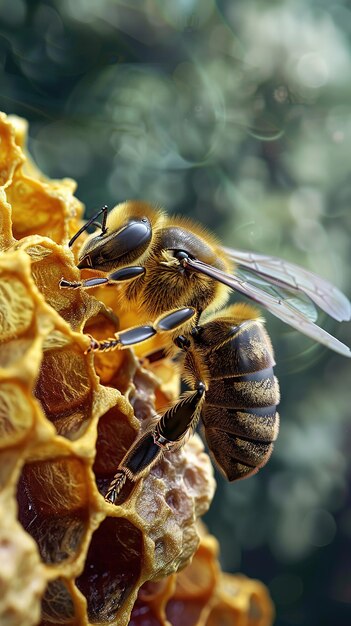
{"x":169,"y":433}
{"x":126,"y":273}
{"x":133,"y":336}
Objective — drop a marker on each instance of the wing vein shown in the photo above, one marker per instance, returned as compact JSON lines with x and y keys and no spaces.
{"x":280,"y":307}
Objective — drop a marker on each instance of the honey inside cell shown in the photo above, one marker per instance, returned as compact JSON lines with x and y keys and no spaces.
{"x":115,"y":436}
{"x":57,"y":603}
{"x":64,"y":390}
{"x":53,"y":502}
{"x":112,"y":567}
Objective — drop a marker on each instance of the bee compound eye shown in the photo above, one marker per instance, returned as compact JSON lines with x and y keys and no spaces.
{"x":120,"y":247}
{"x":180,"y":255}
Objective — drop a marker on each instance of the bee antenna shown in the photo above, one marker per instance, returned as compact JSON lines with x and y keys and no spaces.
{"x":85,"y":226}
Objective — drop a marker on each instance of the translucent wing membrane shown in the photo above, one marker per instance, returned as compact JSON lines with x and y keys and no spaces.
{"x":300,"y":301}
{"x":274,"y":293}
{"x":291,"y":276}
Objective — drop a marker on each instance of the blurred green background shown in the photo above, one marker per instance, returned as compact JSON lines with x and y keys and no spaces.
{"x":237,"y":113}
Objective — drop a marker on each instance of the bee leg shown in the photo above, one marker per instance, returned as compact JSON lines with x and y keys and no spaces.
{"x":180,"y":419}
{"x":142,"y":455}
{"x":132,"y":336}
{"x":126,"y":273}
{"x":169,"y":433}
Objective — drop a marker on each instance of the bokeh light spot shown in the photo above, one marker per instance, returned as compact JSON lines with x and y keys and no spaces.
{"x":321,"y":527}
{"x":313,"y":70}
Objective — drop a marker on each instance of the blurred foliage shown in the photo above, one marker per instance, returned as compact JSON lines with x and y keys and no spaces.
{"x":237,"y":113}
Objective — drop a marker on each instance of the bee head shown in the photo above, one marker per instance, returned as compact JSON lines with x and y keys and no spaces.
{"x":128,"y":234}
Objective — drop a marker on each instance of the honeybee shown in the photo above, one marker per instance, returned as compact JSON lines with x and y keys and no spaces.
{"x":173,"y":273}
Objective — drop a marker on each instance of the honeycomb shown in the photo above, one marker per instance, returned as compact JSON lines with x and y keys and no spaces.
{"x":202,"y":595}
{"x":67,"y":418}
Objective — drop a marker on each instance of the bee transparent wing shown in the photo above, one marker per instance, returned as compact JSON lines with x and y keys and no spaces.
{"x":296,"y":300}
{"x":293,"y":277}
{"x":281,"y":308}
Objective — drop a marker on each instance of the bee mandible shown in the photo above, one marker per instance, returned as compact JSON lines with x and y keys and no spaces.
{"x":172,"y":273}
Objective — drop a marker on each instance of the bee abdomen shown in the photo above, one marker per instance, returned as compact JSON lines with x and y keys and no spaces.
{"x":258,"y":389}
{"x":255,"y":424}
{"x":241,"y":423}
{"x":239,"y":411}
{"x":247,"y":351}
{"x":237,"y":457}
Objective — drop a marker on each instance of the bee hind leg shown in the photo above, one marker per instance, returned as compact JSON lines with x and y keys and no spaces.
{"x":169,"y":433}
{"x":142,"y":455}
